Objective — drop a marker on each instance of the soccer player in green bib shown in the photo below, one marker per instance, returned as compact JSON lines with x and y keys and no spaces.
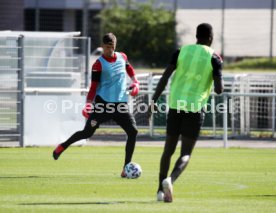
{"x":196,"y":67}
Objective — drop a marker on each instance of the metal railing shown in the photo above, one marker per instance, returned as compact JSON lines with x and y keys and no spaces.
{"x":34,"y":64}
{"x":250,"y":98}
{"x":24,"y":72}
{"x":11,"y":88}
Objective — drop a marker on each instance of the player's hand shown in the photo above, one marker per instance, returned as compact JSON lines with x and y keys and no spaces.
{"x":152,"y":108}
{"x":87,"y":110}
{"x":134,"y":87}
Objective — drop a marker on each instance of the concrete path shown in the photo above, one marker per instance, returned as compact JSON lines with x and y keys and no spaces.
{"x":119,"y":140}
{"x":200,"y":143}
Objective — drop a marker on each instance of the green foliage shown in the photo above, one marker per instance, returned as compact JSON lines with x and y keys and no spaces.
{"x":144,"y":32}
{"x":259,"y":64}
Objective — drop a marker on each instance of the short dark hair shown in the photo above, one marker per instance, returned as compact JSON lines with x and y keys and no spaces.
{"x":109,"y":38}
{"x":204,"y":31}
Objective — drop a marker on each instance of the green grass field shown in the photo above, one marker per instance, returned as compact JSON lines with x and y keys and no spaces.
{"x":86,"y":179}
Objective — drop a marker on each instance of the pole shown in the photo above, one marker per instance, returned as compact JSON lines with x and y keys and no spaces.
{"x":37,"y":15}
{"x":232,"y":111}
{"x":174,"y":11}
{"x":213,"y":105}
{"x":225,"y":118}
{"x":273,"y":112}
{"x":150,"y":92}
{"x":85,"y":42}
{"x":175,"y":6}
{"x":87,"y":60}
{"x":86,"y":4}
{"x":271,"y":29}
{"x":21,"y":90}
{"x":222,"y":27}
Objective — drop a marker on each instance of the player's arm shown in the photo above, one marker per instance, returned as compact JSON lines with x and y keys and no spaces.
{"x":217,"y":73}
{"x":165,"y":77}
{"x":134,"y":87}
{"x":95,"y":79}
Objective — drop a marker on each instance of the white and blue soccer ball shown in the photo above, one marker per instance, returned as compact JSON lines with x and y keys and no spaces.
{"x":133,"y":170}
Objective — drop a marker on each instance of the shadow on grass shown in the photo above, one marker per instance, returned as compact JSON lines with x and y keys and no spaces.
{"x":89,"y":203}
{"x":19,"y":177}
{"x":260,"y":196}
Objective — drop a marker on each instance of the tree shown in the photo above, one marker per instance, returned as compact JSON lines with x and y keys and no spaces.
{"x":144,"y":32}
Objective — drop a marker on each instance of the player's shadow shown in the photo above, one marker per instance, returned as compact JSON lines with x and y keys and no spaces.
{"x":261,"y":196}
{"x":19,"y":177}
{"x":89,"y":203}
{"x":266,"y":195}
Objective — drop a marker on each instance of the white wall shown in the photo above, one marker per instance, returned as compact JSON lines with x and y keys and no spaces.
{"x":247,"y":32}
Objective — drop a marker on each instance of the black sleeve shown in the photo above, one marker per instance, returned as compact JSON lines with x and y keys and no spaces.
{"x":217,"y":65}
{"x":96,"y":76}
{"x":166,"y":75}
{"x":163,"y":81}
{"x":96,"y":71}
{"x":174,"y":57}
{"x":217,"y":73}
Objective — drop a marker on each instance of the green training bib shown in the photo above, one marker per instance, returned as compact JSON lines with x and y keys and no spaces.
{"x":192,"y":81}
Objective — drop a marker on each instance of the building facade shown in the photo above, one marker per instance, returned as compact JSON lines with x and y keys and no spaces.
{"x":243,"y":28}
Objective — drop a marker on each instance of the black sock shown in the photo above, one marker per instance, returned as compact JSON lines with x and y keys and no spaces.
{"x":80,"y":135}
{"x":170,"y":146}
{"x":179,"y":167}
{"x":187,"y":147}
{"x":161,"y":178}
{"x":130,"y":146}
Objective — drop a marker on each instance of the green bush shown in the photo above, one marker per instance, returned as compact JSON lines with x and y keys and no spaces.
{"x":257,"y":63}
{"x":144,"y":32}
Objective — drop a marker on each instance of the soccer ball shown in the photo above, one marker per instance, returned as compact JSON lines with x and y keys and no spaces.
{"x":133,"y":170}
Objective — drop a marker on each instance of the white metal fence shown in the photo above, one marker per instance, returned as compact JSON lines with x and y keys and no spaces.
{"x":34,"y":70}
{"x":249,"y":101}
{"x":35,"y":67}
{"x":11,"y":87}
{"x":248,"y":107}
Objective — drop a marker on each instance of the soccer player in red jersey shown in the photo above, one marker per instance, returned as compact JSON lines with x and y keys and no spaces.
{"x":109,"y":95}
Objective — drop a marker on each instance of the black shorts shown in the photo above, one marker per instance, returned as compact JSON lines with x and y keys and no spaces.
{"x":117,"y":112}
{"x":187,"y":124}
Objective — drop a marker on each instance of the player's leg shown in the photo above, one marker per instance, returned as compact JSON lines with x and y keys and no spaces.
{"x":128,"y":124}
{"x":185,"y":154}
{"x":190,"y":129}
{"x":91,"y":125}
{"x":172,"y":135}
{"x":169,"y":149}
